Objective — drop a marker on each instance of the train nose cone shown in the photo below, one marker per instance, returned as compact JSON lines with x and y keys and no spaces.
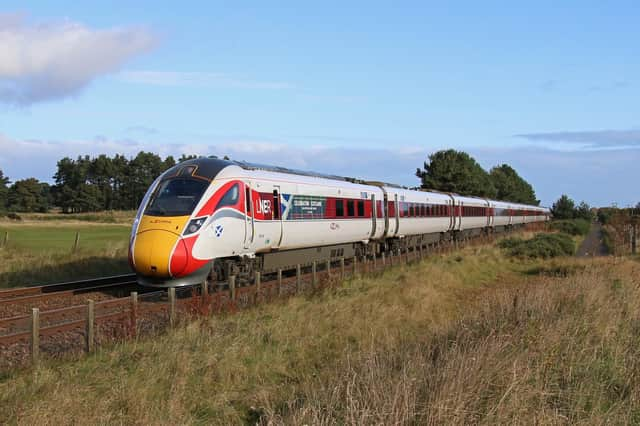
{"x":152,"y":253}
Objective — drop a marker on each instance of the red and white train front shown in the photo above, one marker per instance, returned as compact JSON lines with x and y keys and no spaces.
{"x":166,"y":246}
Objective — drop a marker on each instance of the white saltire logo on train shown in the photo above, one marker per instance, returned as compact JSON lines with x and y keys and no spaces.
{"x":219,"y":230}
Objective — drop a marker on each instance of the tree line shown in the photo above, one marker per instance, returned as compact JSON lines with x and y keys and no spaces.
{"x":566,"y":208}
{"x":87,"y":184}
{"x":456,"y":171}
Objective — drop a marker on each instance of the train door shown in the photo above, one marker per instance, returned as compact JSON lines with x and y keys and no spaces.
{"x":397,"y":212}
{"x":385,"y":211}
{"x":277,"y":215}
{"x":374,"y":214}
{"x":249,"y":224}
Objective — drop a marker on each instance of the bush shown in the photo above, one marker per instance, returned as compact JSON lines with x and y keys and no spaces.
{"x":14,"y":216}
{"x":543,"y":246}
{"x":572,"y":227}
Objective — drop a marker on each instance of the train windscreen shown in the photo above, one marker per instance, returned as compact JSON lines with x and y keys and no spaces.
{"x":176,"y":197}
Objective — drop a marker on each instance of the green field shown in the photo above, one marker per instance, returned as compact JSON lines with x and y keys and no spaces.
{"x":43,"y":253}
{"x":61,"y":237}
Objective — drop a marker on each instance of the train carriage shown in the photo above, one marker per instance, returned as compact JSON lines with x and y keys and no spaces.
{"x":209,"y":218}
{"x":471,"y":214}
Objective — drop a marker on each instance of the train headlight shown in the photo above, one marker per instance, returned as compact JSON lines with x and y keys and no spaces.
{"x":194,"y":225}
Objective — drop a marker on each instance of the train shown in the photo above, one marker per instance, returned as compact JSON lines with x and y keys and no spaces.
{"x":208,"y":219}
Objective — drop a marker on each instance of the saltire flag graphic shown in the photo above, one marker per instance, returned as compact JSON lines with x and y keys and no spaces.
{"x":285,"y":202}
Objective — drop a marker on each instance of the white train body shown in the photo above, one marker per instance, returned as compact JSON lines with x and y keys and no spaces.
{"x":207,"y":209}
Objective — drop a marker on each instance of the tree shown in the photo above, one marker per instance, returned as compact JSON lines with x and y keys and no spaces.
{"x":564,"y":208}
{"x":456,"y":171}
{"x":142,"y":171}
{"x":185,"y":157}
{"x":4,"y":190}
{"x":88,"y":198}
{"x":28,"y":195}
{"x":511,"y":187}
{"x":583,"y":211}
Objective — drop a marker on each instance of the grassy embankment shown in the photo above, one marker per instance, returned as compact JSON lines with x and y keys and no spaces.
{"x":468,"y":337}
{"x":40,"y":247}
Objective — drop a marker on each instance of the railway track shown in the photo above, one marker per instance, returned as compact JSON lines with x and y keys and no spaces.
{"x":30,"y":294}
{"x":18,"y":302}
{"x":69,"y":287}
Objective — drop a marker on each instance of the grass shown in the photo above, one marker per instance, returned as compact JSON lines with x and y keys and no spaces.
{"x":110,"y":216}
{"x":544,"y":246}
{"x":60,"y":237}
{"x":469,"y":337}
{"x":574,"y":227}
{"x":40,"y":254}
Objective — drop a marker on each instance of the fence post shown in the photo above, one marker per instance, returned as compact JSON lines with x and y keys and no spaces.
{"x":342,"y":267}
{"x":76,"y":241}
{"x":6,"y":239}
{"x":298,"y":278}
{"x":382,"y":256}
{"x":232,"y":286}
{"x":329,"y":268}
{"x":35,"y":336}
{"x":313,"y":274}
{"x":354,"y":266}
{"x":375,"y":261}
{"x":204,"y":289}
{"x":258,"y":282}
{"x":89,"y":326}
{"x":134,"y":313}
{"x":279,"y":282}
{"x":172,"y":306}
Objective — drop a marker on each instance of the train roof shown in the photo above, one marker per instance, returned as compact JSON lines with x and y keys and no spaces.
{"x":209,"y":167}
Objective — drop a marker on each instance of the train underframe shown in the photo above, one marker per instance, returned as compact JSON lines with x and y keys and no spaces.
{"x":245,"y":267}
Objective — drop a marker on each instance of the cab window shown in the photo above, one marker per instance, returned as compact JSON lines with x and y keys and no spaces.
{"x":176,"y":197}
{"x":230,"y":198}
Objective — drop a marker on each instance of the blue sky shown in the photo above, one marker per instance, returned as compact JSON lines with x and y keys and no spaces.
{"x":364,"y":88}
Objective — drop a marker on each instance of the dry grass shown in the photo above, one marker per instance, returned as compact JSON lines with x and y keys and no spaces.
{"x":463,"y":338}
{"x":556,"y":351}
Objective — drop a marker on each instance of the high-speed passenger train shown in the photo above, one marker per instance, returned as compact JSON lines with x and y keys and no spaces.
{"x":208,"y":218}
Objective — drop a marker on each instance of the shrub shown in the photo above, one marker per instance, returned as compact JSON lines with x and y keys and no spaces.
{"x":572,"y":227}
{"x":543,"y":246}
{"x":14,"y":216}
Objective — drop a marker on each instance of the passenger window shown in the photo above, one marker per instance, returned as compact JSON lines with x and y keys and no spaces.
{"x":339,"y":208}
{"x":230,"y":198}
{"x":361,"y":208}
{"x":350,"y":208}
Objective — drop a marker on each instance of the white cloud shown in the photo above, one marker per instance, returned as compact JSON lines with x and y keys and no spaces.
{"x":589,"y":138}
{"x":46,"y":61}
{"x":198,"y":79}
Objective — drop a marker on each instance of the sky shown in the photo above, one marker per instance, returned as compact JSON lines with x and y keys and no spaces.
{"x":366,"y":89}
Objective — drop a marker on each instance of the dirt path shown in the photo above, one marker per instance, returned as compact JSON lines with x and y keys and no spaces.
{"x":592,"y":244}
